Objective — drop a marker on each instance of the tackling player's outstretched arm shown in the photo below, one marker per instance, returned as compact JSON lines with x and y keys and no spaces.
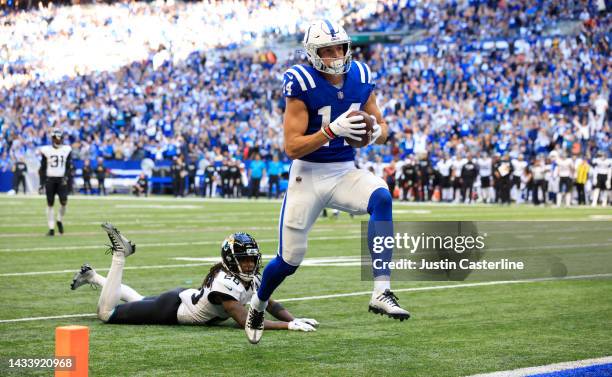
{"x":371,"y":107}
{"x":237,"y":311}
{"x":295,"y":124}
{"x":279,"y":312}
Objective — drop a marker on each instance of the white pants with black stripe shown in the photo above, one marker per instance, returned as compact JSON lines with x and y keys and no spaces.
{"x":313,"y":187}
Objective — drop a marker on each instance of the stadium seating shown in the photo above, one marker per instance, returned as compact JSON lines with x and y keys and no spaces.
{"x":516,"y":89}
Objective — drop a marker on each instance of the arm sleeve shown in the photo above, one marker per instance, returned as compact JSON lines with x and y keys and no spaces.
{"x":218,"y":298}
{"x":68,"y":171}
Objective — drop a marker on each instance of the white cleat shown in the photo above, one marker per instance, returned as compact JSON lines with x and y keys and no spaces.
{"x":385,"y":303}
{"x":119,"y":243}
{"x":254,"y":325}
{"x":82,"y":277}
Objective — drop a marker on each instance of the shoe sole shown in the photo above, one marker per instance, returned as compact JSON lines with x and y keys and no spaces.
{"x":376,"y":310}
{"x":79,"y":274}
{"x":253,"y":341}
{"x":108,"y":228}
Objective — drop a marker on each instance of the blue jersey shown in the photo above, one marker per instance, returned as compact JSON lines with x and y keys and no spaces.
{"x":325,"y":103}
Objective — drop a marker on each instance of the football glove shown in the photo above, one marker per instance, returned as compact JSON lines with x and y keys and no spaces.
{"x":310,"y":321}
{"x":297,"y":325}
{"x":376,"y":131}
{"x":343,"y":126}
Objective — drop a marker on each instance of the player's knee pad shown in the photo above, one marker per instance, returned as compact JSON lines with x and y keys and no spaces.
{"x":63,"y":202}
{"x":294,"y":245}
{"x":380,"y":204}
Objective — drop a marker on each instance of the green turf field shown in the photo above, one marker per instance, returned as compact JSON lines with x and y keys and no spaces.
{"x":453,"y":332}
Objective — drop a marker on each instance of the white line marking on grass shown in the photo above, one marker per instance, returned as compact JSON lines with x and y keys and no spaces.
{"x":601,"y":217}
{"x":547,"y":368}
{"x":34,"y":273}
{"x":160,"y":206}
{"x":362,"y":293}
{"x":138,"y":221}
{"x":142,"y":231}
{"x":326,"y":261}
{"x":194,"y":243}
{"x":49,"y":317}
{"x":413,"y":211}
{"x":149,"y":199}
{"x":437,"y":287}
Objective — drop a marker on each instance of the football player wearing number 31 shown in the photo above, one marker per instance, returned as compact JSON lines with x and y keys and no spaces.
{"x":54,"y":174}
{"x":319,"y":99}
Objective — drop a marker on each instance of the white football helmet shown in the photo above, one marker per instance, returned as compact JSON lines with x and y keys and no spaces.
{"x":325,"y":33}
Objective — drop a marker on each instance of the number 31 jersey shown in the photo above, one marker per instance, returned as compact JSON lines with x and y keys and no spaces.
{"x":56,"y":159}
{"x":325,"y":103}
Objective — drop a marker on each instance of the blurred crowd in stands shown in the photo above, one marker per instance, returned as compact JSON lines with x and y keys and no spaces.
{"x":510,"y":80}
{"x":54,"y":42}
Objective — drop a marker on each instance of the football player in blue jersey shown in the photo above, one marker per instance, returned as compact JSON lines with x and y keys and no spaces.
{"x":319,"y":99}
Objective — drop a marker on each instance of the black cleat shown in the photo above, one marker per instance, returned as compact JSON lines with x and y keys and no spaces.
{"x":51,"y":233}
{"x":60,"y":227}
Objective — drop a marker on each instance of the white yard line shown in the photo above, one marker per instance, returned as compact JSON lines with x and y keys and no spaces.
{"x":162,"y":228}
{"x":34,"y":273}
{"x":453,"y":286}
{"x":324,"y":261}
{"x":27,"y":319}
{"x":111,"y":198}
{"x":547,"y":368}
{"x":362,"y":293}
{"x":342,"y":261}
{"x":157,"y":244}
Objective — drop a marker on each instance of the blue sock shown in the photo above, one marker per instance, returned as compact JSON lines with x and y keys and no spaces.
{"x":380,"y":225}
{"x":275,"y":272}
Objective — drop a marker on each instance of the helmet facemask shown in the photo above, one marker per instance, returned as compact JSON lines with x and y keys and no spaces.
{"x":236,"y":247}
{"x":248,"y":276}
{"x":56,"y":137}
{"x":338,"y":66}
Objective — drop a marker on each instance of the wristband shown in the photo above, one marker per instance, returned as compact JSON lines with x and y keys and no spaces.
{"x":329,"y":134}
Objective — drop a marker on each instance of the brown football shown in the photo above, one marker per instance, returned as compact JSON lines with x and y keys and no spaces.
{"x":365,"y":138}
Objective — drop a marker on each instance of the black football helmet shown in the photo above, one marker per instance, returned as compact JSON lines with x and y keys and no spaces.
{"x":236,"y":246}
{"x":57,"y":137}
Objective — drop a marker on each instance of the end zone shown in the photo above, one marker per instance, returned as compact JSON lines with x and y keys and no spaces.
{"x":580,"y":368}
